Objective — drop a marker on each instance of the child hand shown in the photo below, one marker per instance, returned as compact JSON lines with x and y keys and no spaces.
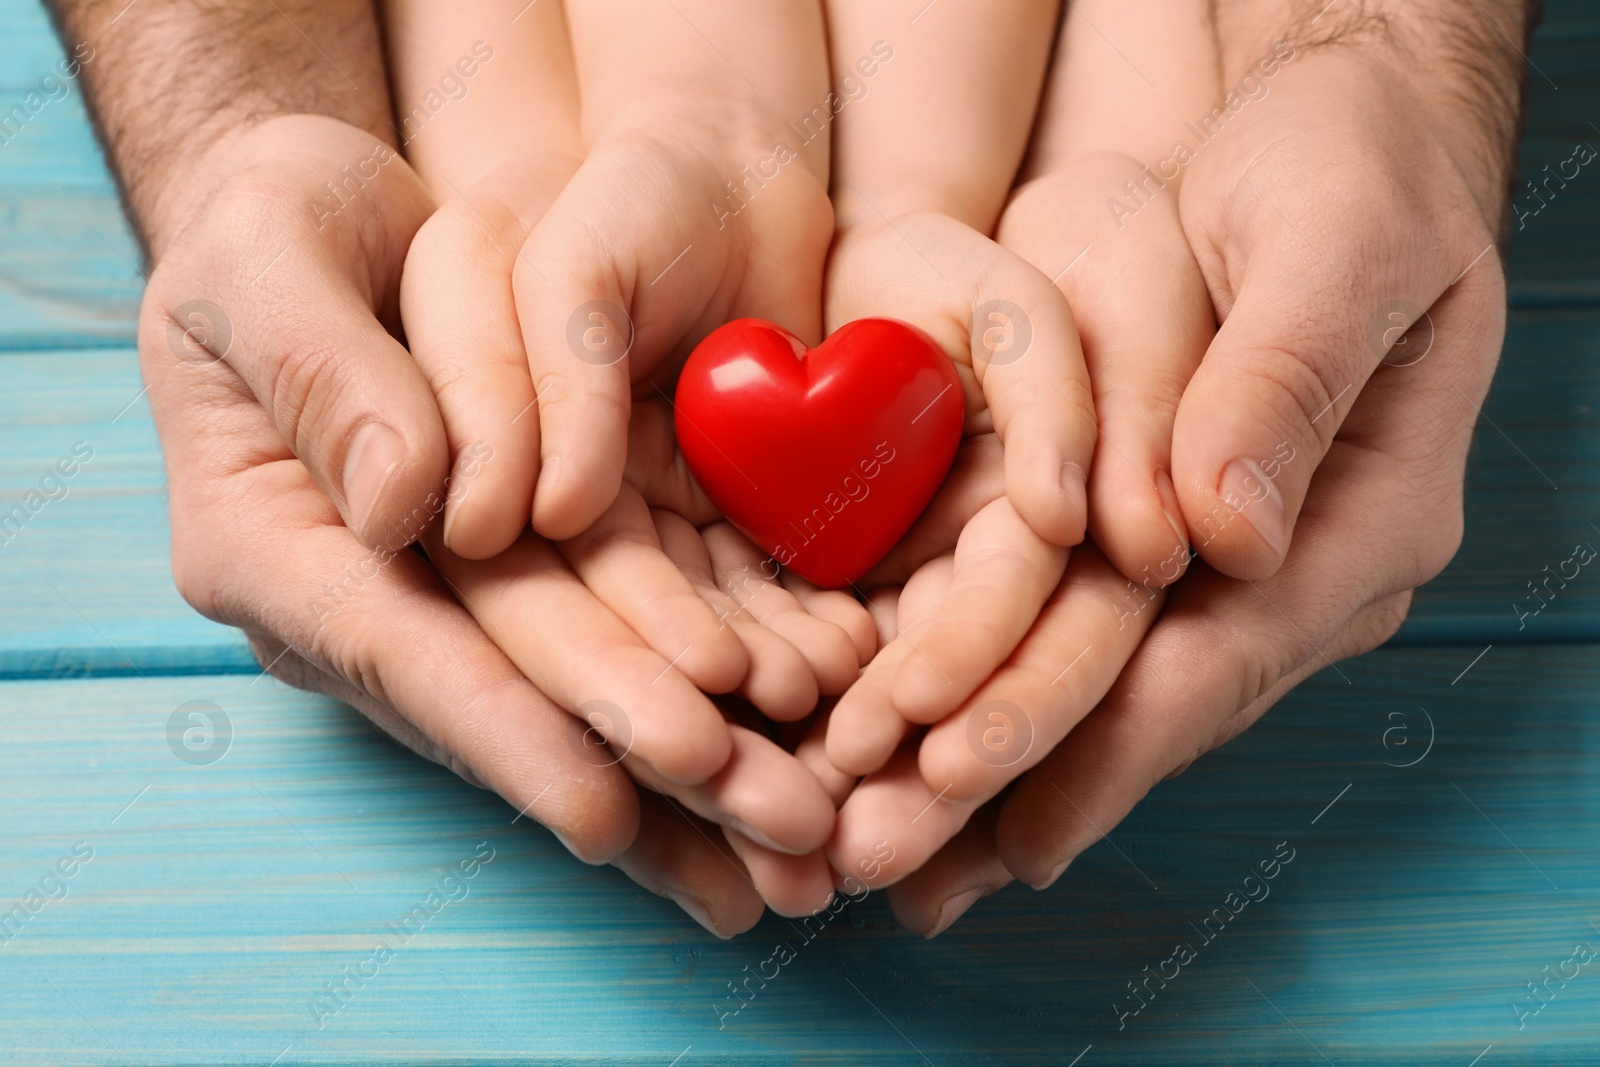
{"x":1137,"y":294}
{"x":901,"y":814}
{"x":573,"y":618}
{"x":921,"y":172}
{"x":571,"y":269}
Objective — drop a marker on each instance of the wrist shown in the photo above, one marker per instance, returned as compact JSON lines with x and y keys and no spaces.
{"x":883,"y":200}
{"x":1466,"y":85}
{"x":185,"y":73}
{"x":168,"y":202}
{"x":743,"y":143}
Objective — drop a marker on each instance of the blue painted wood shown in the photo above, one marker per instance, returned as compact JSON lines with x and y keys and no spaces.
{"x":85,"y":576}
{"x":69,"y":268}
{"x":1533,"y":494}
{"x":89,"y":577}
{"x":221,"y":898}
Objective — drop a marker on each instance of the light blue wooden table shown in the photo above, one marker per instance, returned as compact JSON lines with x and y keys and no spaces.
{"x":208,"y":906}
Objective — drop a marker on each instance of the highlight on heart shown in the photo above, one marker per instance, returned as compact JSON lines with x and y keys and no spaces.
{"x":822,"y":457}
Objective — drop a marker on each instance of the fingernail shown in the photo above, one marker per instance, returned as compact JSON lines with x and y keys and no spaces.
{"x":375,"y":452}
{"x":953,"y":909}
{"x":1054,"y":875}
{"x":760,"y":838}
{"x":1243,"y":480}
{"x":1169,"y":504}
{"x":548,"y":471}
{"x":450,"y":514}
{"x":1076,"y":486}
{"x":698,"y":912}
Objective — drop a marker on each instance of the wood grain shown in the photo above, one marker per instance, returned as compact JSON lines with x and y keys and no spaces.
{"x":222,"y":895}
{"x":1414,"y":911}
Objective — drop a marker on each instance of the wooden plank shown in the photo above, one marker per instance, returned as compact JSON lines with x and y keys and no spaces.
{"x":90,"y":577}
{"x":221,"y":897}
{"x":69,"y":266}
{"x":84,"y":572}
{"x":1533,"y":493}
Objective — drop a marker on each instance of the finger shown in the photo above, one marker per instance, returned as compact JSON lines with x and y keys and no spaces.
{"x":620,"y":559}
{"x":456,"y":296}
{"x":1006,"y":727}
{"x":746,"y":575}
{"x":837,"y":607}
{"x":892,"y":823}
{"x":257,"y":544}
{"x":1002,"y":573}
{"x":676,"y":856}
{"x":792,"y":886}
{"x":976,"y":478}
{"x":812,"y":752}
{"x":261,"y":547}
{"x":461,"y":323}
{"x":967,"y":869}
{"x":1385,"y":516}
{"x":657,"y":469}
{"x":864,"y":728}
{"x":1116,"y":272}
{"x":603,"y":300}
{"x":1088,"y":628}
{"x":778,"y":681}
{"x":586,"y":659}
{"x":290,"y":300}
{"x":1274,"y":387}
{"x":1011,"y":334}
{"x":884,"y":604}
{"x":762,"y":792}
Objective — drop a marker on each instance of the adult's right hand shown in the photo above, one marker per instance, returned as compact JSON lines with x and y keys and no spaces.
{"x":294,"y":290}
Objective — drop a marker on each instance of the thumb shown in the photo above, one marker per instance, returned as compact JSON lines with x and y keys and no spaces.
{"x":1297,"y":346}
{"x":287,"y":290}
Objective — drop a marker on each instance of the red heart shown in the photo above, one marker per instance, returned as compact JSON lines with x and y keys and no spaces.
{"x":824,"y":458}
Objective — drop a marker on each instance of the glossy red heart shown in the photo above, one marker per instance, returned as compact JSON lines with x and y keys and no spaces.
{"x":824,"y":458}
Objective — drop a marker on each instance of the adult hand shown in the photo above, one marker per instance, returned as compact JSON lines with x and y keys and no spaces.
{"x":257,"y":544}
{"x":1359,"y":209}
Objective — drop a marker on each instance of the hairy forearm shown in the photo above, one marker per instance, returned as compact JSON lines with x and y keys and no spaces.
{"x":176,"y":82}
{"x":1465,"y":58}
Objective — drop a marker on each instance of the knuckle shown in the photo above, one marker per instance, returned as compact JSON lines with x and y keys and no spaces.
{"x":249,"y":218}
{"x":305,"y":381}
{"x":1392,"y":614}
{"x":485,"y":226}
{"x":1375,"y":624}
{"x":1151,"y":400}
{"x":194,"y":575}
{"x":1441,"y":540}
{"x":1296,"y":391}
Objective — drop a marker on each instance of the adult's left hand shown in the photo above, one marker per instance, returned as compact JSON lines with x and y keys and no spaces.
{"x":1352,"y":192}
